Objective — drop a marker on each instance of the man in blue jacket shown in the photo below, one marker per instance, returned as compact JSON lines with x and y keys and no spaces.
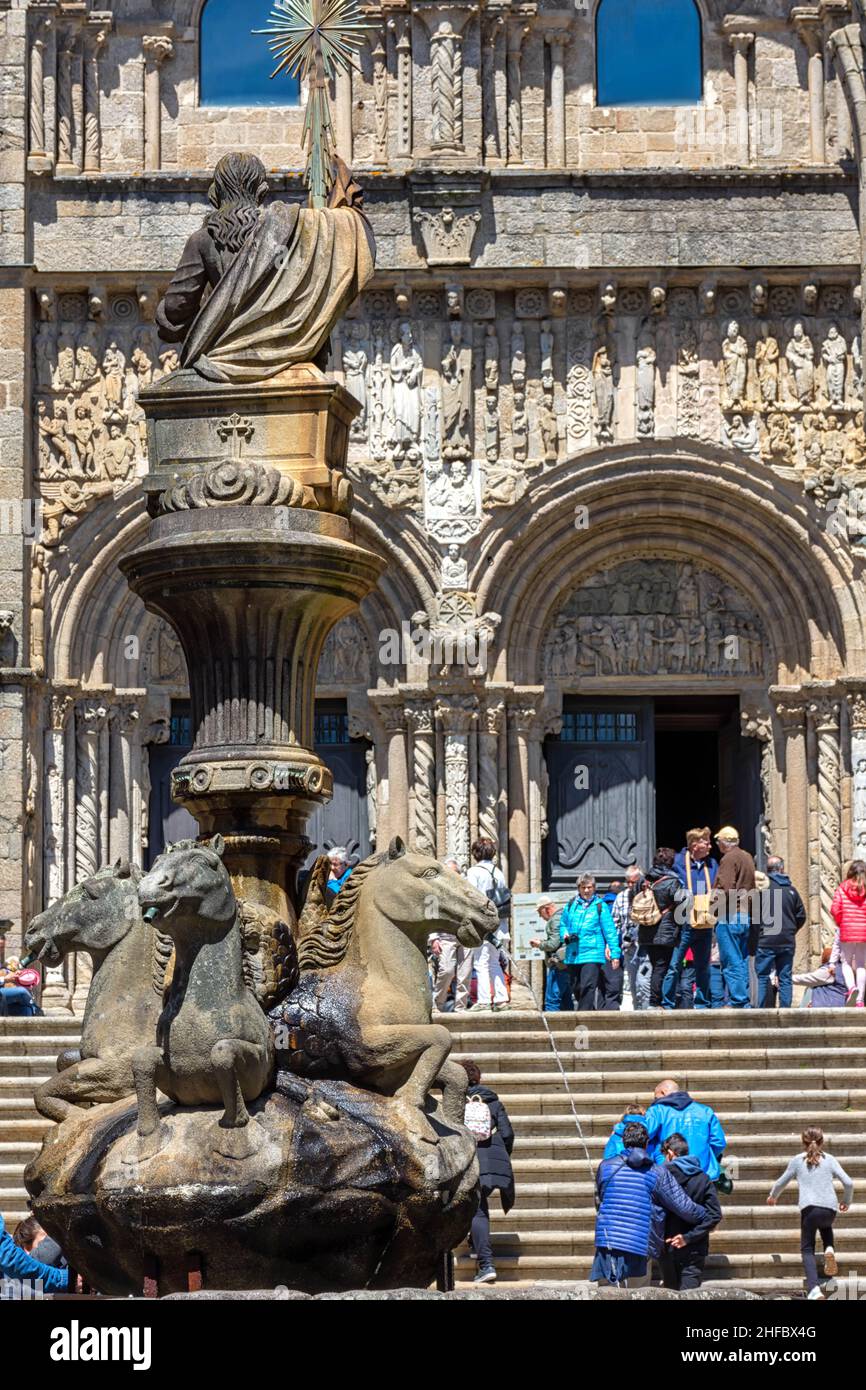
{"x":674,"y":1112}
{"x":590,"y":936}
{"x":16,"y":1264}
{"x":634,"y":1195}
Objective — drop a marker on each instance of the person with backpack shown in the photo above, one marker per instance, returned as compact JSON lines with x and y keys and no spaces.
{"x":849,"y":913}
{"x":696,"y":869}
{"x":557,"y":988}
{"x":486,"y":1117}
{"x":782,"y":915}
{"x":687,"y":1245}
{"x":485,"y":875}
{"x":633,"y":1195}
{"x":816,"y":1172}
{"x":660,"y":909}
{"x":590,"y":936}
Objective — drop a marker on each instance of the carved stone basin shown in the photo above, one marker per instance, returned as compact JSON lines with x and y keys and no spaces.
{"x":325,"y":1204}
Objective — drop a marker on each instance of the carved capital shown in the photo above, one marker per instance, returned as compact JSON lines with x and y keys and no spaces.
{"x":125,"y":718}
{"x":756,"y":723}
{"x":157,"y":48}
{"x":824,"y":705}
{"x":421,"y":719}
{"x":494,"y":718}
{"x":92,"y":718}
{"x":789,"y":703}
{"x":455,"y":716}
{"x":741,"y":42}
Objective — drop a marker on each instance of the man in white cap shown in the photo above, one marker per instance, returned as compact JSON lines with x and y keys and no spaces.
{"x":735,"y":882}
{"x":558,"y":998}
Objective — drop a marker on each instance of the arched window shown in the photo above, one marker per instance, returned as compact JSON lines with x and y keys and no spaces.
{"x":235,"y":65}
{"x":648,"y":53}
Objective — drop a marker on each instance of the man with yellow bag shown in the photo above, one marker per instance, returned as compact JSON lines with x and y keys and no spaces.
{"x":696,"y":869}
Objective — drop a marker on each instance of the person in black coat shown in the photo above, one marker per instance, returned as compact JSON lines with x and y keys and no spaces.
{"x":660,"y":940}
{"x":687,"y":1247}
{"x":496,"y":1173}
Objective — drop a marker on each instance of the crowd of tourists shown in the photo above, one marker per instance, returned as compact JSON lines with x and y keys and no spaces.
{"x":657,"y":1190}
{"x":696,"y":931}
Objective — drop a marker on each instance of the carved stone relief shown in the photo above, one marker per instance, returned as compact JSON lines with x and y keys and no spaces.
{"x":655,"y":617}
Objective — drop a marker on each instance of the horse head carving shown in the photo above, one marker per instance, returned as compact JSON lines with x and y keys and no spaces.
{"x":103,"y":917}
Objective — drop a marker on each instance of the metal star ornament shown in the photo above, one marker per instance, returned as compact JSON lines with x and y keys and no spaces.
{"x":314,"y":40}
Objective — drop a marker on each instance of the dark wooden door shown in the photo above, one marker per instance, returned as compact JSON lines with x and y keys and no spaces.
{"x":166,"y":821}
{"x":601,"y":804}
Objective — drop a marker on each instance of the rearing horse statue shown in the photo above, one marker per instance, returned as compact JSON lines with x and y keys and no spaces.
{"x":103,"y":917}
{"x":362,"y":1009}
{"x":213,"y":1042}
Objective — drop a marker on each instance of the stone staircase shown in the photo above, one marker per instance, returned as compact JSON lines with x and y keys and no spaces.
{"x":28,"y":1055}
{"x":767,"y":1073}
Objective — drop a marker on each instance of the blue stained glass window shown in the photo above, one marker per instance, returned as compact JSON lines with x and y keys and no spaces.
{"x":235,"y":65}
{"x":648,"y":53}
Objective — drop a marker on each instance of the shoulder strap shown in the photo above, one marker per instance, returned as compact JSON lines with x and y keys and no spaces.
{"x":620,"y":1163}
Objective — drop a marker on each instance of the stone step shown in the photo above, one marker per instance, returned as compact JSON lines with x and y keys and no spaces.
{"x":18,"y":1108}
{"x":682,"y":1064}
{"x":19,"y":1087}
{"x":16,"y":1154}
{"x":747,"y":1266}
{"x":579,"y":1191}
{"x":522,"y":1020}
{"x":764,"y":1166}
{"x":655,"y":1039}
{"x":45,"y":1044}
{"x":552,"y":1115}
{"x":29,"y":1065}
{"x":776,"y":1243}
{"x":54,"y":1024}
{"x":27,"y":1131}
{"x":781,"y":1220}
{"x":723,"y":1091}
{"x":548,"y":1148}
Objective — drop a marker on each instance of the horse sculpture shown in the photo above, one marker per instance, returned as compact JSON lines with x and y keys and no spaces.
{"x":213,"y":1042}
{"x":362,"y":1009}
{"x":102,"y":916}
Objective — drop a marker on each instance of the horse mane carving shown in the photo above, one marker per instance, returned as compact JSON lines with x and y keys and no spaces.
{"x":325,"y":939}
{"x":270,"y":959}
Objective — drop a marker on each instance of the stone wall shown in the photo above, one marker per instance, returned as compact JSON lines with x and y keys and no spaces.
{"x":591,"y":333}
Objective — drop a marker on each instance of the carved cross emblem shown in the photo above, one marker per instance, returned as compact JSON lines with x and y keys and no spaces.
{"x":236,"y":428}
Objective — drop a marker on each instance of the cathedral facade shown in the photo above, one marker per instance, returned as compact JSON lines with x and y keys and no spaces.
{"x":610,"y":438}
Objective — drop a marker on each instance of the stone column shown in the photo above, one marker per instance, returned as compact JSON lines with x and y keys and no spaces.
{"x":758,"y":724}
{"x":402,"y":29}
{"x":522,"y":712}
{"x":455,"y":719}
{"x":65,"y":129}
{"x":741,"y":43}
{"x":77,"y":100}
{"x":396,"y":810}
{"x":810,"y":28}
{"x":37,"y":92}
{"x":493,"y":28}
{"x":791,"y":715}
{"x":54,"y":806}
{"x":422,"y":836}
{"x":343,"y":114}
{"x":846,"y":46}
{"x":157,"y":48}
{"x":94,"y":41}
{"x":446,"y":76}
{"x":124,"y":722}
{"x":490,"y":788}
{"x":517,"y":32}
{"x":91,"y":729}
{"x":379,"y":58}
{"x":824,"y":722}
{"x":556,"y":40}
{"x":856,"y":694}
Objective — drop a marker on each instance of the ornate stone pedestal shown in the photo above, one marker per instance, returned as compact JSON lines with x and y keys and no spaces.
{"x":251,"y":561}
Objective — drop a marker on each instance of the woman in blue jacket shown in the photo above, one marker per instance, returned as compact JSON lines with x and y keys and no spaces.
{"x":589,"y":932}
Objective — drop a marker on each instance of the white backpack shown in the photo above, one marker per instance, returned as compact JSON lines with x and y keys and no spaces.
{"x":477,"y":1118}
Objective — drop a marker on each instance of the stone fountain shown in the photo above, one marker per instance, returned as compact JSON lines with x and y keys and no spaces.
{"x":252,"y":1104}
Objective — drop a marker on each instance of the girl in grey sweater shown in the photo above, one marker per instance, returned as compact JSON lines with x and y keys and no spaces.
{"x":816,"y":1172}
